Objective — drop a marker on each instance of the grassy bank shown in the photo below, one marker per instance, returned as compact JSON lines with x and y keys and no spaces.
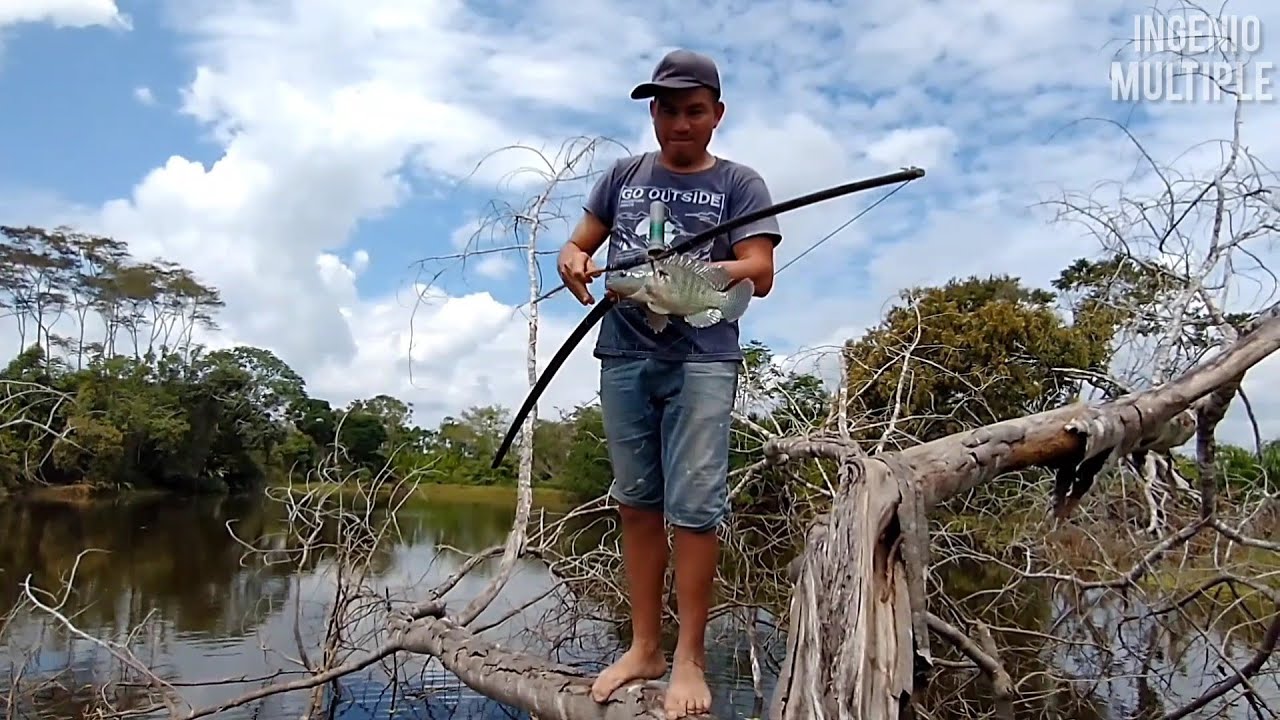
{"x":551,"y":498}
{"x":545,"y":497}
{"x":77,"y":493}
{"x":1096,"y":550}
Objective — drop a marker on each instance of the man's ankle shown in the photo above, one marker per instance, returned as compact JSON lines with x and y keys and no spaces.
{"x":691,"y":652}
{"x":646,"y":646}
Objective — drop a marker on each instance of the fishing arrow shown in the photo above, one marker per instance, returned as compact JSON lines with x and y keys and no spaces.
{"x":606,"y":303}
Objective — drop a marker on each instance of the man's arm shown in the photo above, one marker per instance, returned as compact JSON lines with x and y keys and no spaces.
{"x":754,"y":261}
{"x":753,"y":244}
{"x":575,"y":264}
{"x":588,"y":235}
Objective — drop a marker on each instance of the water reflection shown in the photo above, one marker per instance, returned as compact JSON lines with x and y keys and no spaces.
{"x":214,"y":611}
{"x":213,"y":608}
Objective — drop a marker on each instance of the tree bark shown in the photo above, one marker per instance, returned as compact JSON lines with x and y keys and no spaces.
{"x":850,"y":639}
{"x":852,"y":644}
{"x":546,"y":690}
{"x":858,"y":623}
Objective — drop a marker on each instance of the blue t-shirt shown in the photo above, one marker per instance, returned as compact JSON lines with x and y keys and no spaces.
{"x":695,"y":201}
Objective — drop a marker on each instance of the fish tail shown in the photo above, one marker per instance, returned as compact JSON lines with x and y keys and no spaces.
{"x":736,"y":299}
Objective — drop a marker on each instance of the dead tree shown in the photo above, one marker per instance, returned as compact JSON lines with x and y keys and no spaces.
{"x":858,"y":621}
{"x":35,"y":406}
{"x":861,"y":627}
{"x":510,"y":229}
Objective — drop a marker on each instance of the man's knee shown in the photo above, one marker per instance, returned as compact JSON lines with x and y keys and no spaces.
{"x":632,"y":434}
{"x":697,"y":490}
{"x":699,"y":519}
{"x":696,"y":461}
{"x":641,"y":515}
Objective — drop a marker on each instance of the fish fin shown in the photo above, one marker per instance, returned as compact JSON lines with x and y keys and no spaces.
{"x":717,"y":276}
{"x":657,"y":322}
{"x":705,"y":318}
{"x":736,"y":299}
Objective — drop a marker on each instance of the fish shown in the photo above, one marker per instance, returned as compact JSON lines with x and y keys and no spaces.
{"x":684,"y":287}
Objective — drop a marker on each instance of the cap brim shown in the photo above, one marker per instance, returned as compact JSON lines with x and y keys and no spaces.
{"x":652,"y":89}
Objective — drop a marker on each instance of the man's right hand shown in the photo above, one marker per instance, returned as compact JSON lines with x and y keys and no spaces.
{"x":577,"y":270}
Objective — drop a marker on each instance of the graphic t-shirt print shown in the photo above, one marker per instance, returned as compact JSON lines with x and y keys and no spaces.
{"x":688,"y":213}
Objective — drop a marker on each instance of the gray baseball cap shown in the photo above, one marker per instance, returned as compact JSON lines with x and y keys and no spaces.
{"x":680,"y":70}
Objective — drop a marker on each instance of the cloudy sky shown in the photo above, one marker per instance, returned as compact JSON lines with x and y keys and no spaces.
{"x":303,"y":155}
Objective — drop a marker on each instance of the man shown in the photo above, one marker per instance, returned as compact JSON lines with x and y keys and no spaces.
{"x":667,"y":397}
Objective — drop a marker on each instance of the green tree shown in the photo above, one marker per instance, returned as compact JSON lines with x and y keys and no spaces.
{"x":160,"y":414}
{"x":585,"y":469}
{"x":968,"y":353}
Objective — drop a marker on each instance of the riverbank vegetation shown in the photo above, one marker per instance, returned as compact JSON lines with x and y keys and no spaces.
{"x":128,"y":400}
{"x":889,"y":529}
{"x":137,"y":406}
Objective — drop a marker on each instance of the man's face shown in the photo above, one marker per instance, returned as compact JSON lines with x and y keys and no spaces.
{"x":683,"y":121}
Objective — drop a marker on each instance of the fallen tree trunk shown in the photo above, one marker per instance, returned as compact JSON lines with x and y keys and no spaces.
{"x":859,"y":627}
{"x":857,"y":610}
{"x":546,"y":690}
{"x":854,"y":616}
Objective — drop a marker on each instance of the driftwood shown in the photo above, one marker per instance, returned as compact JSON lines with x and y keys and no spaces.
{"x":859,"y":626}
{"x":850,"y":554}
{"x":860,"y":553}
{"x":546,"y":690}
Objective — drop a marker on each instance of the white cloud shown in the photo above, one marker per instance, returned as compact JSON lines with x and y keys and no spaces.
{"x":332,"y":113}
{"x":144,"y":95}
{"x":930,"y":147}
{"x":447,"y":353}
{"x":64,"y":13}
{"x":495,"y":267}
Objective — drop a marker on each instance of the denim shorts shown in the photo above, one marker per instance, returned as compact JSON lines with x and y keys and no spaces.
{"x":667,"y":426}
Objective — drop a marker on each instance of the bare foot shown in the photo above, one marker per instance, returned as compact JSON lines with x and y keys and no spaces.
{"x":633,"y":665}
{"x":688,"y":693}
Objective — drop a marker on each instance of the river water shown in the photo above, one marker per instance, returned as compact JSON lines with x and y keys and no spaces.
{"x":209,"y":612}
{"x":212,"y":613}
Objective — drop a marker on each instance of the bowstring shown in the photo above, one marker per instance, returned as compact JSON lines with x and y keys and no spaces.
{"x":853,"y":218}
{"x":828,"y":236}
{"x":790,"y":262}
{"x":842,"y":226}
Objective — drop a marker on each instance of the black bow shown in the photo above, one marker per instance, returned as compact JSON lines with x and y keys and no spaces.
{"x":606,"y":304}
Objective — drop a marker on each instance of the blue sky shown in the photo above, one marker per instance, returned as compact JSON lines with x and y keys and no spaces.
{"x":279,"y":144}
{"x":79,"y":112}
{"x":93,"y":139}
{"x":90,"y":140}
{"x":78,"y":132}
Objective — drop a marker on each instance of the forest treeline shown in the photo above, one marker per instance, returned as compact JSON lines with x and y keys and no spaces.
{"x":126,"y":399}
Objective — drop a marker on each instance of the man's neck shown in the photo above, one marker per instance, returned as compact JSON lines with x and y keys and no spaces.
{"x":706,"y":162}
